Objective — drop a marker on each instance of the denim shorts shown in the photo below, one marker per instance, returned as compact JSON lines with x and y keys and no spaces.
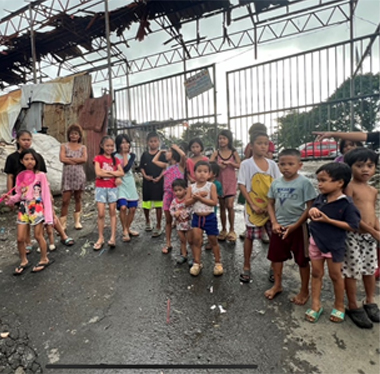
{"x":105,"y":195}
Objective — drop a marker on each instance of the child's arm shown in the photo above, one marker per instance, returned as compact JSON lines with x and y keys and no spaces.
{"x":317,"y":216}
{"x":289,"y":229}
{"x":160,"y":164}
{"x":119,"y":172}
{"x":189,"y":200}
{"x":276,"y":227}
{"x":62,"y":156}
{"x":46,"y":199}
{"x":100,"y":173}
{"x":146,"y":177}
{"x":213,"y":201}
{"x":10,"y":179}
{"x":129,"y":165}
{"x":83,"y":159}
{"x":182,"y":162}
{"x":157,"y":179}
{"x":214,"y":156}
{"x":255,"y":208}
{"x":237,"y":162}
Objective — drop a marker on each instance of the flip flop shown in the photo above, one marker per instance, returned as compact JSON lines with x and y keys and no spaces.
{"x":111,"y":244}
{"x":126,"y":238}
{"x":337,"y":314}
{"x":156,"y":233}
{"x":98,"y":246}
{"x":313,"y":314}
{"x":245,"y":277}
{"x":22,"y":268}
{"x":148,"y":227}
{"x":68,"y":241}
{"x":167,"y":249}
{"x":134,"y":233}
{"x":44,"y":266}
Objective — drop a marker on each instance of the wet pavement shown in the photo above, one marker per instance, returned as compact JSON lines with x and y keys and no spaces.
{"x":112,"y":307}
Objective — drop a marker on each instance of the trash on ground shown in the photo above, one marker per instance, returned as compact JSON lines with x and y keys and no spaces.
{"x":213,"y":307}
{"x":222,"y":310}
{"x":4,"y":335}
{"x":211,"y":289}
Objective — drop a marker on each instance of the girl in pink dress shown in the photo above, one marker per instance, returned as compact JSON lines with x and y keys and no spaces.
{"x":196,"y":148}
{"x":174,"y":169}
{"x":228,"y":161}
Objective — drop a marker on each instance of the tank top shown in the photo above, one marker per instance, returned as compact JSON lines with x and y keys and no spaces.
{"x":199,"y":207}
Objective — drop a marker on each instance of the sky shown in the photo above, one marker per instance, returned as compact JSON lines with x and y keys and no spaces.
{"x":367,"y":16}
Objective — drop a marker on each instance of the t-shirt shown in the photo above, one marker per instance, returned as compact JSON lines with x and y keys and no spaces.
{"x":290,"y":198}
{"x":106,"y":164}
{"x":13,"y":165}
{"x":257,"y":183}
{"x":374,"y":137}
{"x":330,"y":238}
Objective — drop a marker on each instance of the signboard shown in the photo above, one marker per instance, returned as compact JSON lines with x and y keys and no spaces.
{"x":198,"y":83}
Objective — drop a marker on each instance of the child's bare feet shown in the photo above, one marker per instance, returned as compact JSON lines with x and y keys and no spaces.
{"x":300,"y":299}
{"x":273,"y":292}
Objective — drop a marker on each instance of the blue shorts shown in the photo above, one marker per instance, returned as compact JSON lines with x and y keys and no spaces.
{"x":128,"y":203}
{"x":206,"y":223}
{"x":105,"y":195}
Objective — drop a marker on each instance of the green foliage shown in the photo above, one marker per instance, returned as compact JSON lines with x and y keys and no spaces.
{"x":335,"y":114}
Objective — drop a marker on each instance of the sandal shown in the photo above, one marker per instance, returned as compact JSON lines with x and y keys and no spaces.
{"x":181,"y":259}
{"x":231,"y":237}
{"x":312,"y":316}
{"x":156,"y":233}
{"x":245,"y":277}
{"x":167,"y":249}
{"x":148,"y":227}
{"x":22,"y":268}
{"x":44,"y":266}
{"x":134,"y":233}
{"x":222,"y":235}
{"x":126,"y":238}
{"x":68,"y":242}
{"x":335,"y":313}
{"x":111,"y":244}
{"x":98,"y":246}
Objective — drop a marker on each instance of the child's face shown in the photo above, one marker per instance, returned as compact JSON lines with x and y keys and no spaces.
{"x":260,"y":146}
{"x":153,"y":143}
{"x":195,"y":149}
{"x":108,"y":147}
{"x":202,"y":173}
{"x":289,"y":166}
{"x":29,"y":162}
{"x":326,"y":185}
{"x":348,"y":145}
{"x":74,"y":136}
{"x":363,"y":171}
{"x":125,"y":146}
{"x":179,"y":192}
{"x":223,"y":141}
{"x":25,"y":141}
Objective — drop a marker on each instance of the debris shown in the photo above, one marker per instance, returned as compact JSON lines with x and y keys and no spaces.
{"x":177,"y":311}
{"x":222,"y":310}
{"x":213,"y":307}
{"x":260,"y":311}
{"x":4,"y":335}
{"x":190,"y":287}
{"x":211,"y":289}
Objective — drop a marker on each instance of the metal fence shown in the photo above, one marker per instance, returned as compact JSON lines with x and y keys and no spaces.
{"x":309,"y":91}
{"x":161,"y":105}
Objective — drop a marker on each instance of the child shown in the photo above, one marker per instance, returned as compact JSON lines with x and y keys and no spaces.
{"x":128,"y":197}
{"x":360,"y":258}
{"x":35,"y":209}
{"x":228,"y":160}
{"x":214,"y":173}
{"x":196,"y":148}
{"x":203,"y":198}
{"x":345,"y":146}
{"x":290,"y":198}
{"x":181,"y":215}
{"x":332,"y":214}
{"x":73,"y":155}
{"x":153,"y":184}
{"x":174,"y":168}
{"x":107,"y":169}
{"x":255,"y":177}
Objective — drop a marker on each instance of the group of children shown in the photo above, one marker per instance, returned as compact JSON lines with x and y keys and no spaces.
{"x":343,"y":229}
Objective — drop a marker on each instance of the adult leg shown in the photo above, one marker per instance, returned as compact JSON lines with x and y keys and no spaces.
{"x":317,"y":272}
{"x":277,"y":287}
{"x":39,"y":236}
{"x":303,"y":295}
{"x":21,"y":239}
{"x":335,"y":272}
{"x":168,"y":232}
{"x":78,"y":209}
{"x":112,"y":211}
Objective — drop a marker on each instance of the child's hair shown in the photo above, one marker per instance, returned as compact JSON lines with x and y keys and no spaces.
{"x":19,"y":134}
{"x":78,"y":129}
{"x":198,"y":141}
{"x":101,"y":150}
{"x":175,"y":155}
{"x":337,"y":171}
{"x":32,"y":152}
{"x":179,"y":183}
{"x":119,"y":139}
{"x":342,"y":144}
{"x":361,"y":154}
{"x":215,"y":168}
{"x":290,"y":152}
{"x":257,"y":127}
{"x":228,"y":135}
{"x":202,"y":163}
{"x":151,"y":135}
{"x":256,"y":134}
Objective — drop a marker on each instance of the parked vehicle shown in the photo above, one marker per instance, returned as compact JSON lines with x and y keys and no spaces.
{"x":326,"y":149}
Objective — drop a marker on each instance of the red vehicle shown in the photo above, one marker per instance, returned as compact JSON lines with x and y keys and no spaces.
{"x":328,"y":148}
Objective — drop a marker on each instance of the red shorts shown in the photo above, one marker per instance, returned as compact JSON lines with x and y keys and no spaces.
{"x":281,"y":250}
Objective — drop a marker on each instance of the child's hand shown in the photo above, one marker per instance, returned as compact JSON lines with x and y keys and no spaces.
{"x":287,"y":231}
{"x":277,"y":229}
{"x":376,"y":235}
{"x":156,"y":180}
{"x":149,"y":178}
{"x":202,"y":193}
{"x":118,"y":182}
{"x":314,"y":213}
{"x":256,"y":209}
{"x":195,"y":197}
{"x":320,"y":217}
{"x":5,"y":197}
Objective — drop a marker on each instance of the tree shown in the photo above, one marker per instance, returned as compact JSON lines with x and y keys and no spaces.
{"x":335,"y":114}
